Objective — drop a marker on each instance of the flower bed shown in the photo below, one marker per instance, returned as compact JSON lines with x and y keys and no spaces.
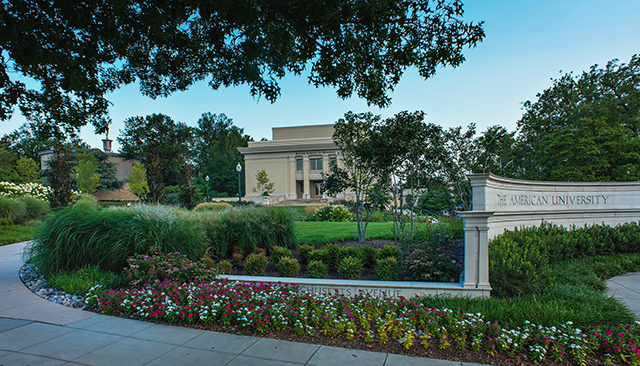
{"x":407,"y":322}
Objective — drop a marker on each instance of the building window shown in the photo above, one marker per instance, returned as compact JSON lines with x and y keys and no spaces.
{"x":299,"y":165}
{"x":315,"y":164}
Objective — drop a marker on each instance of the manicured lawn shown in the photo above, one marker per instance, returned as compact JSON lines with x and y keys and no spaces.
{"x":315,"y":232}
{"x":15,"y":234}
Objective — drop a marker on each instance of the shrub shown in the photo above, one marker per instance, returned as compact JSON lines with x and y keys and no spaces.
{"x":431,"y":264}
{"x":332,"y":254}
{"x":350,"y":268}
{"x":85,"y":201}
{"x":256,"y":264}
{"x":212,"y":206}
{"x":438,"y":234}
{"x":317,"y":269}
{"x":387,"y":269}
{"x":278,"y":252}
{"x":520,"y":260}
{"x":321,"y":255}
{"x":72,"y":238}
{"x":390,"y":251}
{"x":288,"y":267}
{"x":305,"y":250}
{"x":35,"y":207}
{"x":6,"y":222}
{"x":224,"y":267}
{"x":349,"y":252}
{"x":369,"y":255}
{"x":160,"y":266}
{"x":336,"y":213}
{"x":236,"y":258}
{"x":380,"y":216}
{"x":11,"y":208}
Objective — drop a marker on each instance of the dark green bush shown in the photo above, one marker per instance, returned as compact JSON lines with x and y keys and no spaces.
{"x":520,"y":260}
{"x":6,"y":222}
{"x":349,"y":252}
{"x":85,"y":201}
{"x":278,"y":252}
{"x":332,"y":252}
{"x":369,"y":255}
{"x":390,"y":251}
{"x":160,"y":266}
{"x":12,"y":208}
{"x":317,"y":269}
{"x":431,"y":264}
{"x":74,"y":237}
{"x":321,"y":255}
{"x":224,"y":267}
{"x":387,"y":269}
{"x":350,"y":268}
{"x":440,"y":233}
{"x":305,"y":250}
{"x":288,"y":267}
{"x":256,"y":264}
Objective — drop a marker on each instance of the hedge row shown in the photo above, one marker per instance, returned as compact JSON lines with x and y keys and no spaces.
{"x":520,"y":261}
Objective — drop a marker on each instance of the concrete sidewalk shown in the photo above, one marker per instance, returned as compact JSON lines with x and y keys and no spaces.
{"x":626,"y":288}
{"x":34,"y":331}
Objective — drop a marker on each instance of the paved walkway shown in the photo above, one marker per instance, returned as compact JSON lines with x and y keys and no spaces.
{"x":34,"y":331}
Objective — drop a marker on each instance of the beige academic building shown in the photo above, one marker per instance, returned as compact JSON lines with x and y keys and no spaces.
{"x":293,"y":160}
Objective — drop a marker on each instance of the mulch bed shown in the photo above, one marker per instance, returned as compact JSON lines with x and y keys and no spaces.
{"x":456,"y":248}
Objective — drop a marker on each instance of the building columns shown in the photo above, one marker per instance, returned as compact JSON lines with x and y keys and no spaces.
{"x":292,"y":178}
{"x":306,"y":190}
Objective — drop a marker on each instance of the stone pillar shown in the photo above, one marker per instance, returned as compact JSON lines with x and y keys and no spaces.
{"x":305,"y":174}
{"x":476,"y":249}
{"x":292,"y":178}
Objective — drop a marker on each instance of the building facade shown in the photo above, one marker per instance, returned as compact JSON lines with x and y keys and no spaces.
{"x":294,"y":161}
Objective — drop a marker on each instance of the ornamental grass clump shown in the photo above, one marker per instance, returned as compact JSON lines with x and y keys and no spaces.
{"x":288,"y":267}
{"x":256,"y":264}
{"x":75,"y":237}
{"x":317,"y":269}
{"x":350,"y":268}
{"x":12,"y":208}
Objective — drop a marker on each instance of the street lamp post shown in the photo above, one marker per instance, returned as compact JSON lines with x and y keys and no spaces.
{"x":239,"y":169}
{"x":207,"y":179}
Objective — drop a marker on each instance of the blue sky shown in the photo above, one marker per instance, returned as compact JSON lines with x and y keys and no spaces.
{"x":527,"y":44}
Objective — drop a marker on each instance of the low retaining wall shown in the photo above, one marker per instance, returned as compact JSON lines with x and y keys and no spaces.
{"x":389,"y":289}
{"x":502,"y":203}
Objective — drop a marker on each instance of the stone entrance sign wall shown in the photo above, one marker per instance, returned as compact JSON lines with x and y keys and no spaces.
{"x":501,"y":203}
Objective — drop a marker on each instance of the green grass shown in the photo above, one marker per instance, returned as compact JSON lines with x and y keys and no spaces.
{"x":16,"y":234}
{"x":80,"y":281}
{"x":576,"y":293}
{"x":318,"y":232}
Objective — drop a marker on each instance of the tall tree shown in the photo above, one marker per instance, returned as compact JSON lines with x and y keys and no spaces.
{"x":80,"y":50}
{"x":584,"y":128}
{"x":87,"y":179}
{"x":138,"y":181}
{"x":217,"y":141}
{"x":154,"y":139}
{"x":58,"y":175}
{"x":354,"y":134}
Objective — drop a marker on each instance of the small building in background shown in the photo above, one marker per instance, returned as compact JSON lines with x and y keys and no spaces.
{"x":123,"y":168}
{"x":294,"y":161}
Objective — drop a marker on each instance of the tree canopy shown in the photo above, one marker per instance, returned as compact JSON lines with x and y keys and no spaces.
{"x":80,"y":50}
{"x":583,"y":128}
